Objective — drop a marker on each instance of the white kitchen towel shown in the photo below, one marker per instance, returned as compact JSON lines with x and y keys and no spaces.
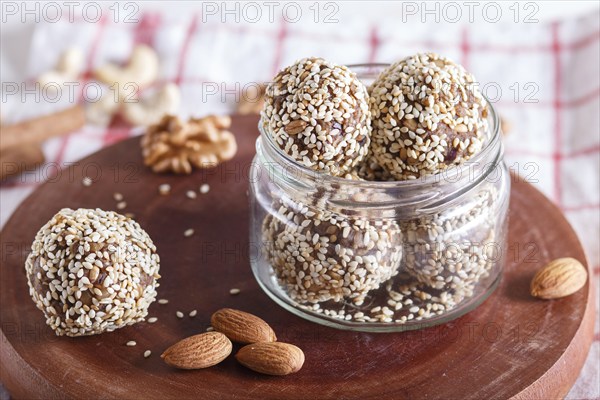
{"x":543,"y":79}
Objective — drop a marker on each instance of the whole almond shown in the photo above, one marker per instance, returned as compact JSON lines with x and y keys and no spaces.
{"x":559,"y":278}
{"x":198,"y":351}
{"x":274,"y":358}
{"x":242,"y":327}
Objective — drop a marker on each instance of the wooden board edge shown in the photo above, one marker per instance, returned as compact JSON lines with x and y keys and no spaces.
{"x":16,"y":374}
{"x":560,"y":378}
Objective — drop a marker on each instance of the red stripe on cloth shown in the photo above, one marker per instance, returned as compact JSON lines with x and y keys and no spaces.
{"x":556,"y":53}
{"x":192,"y":28}
{"x":374,"y":43}
{"x":586,"y":98}
{"x":115,"y":134}
{"x":583,"y":42}
{"x":87,"y":74}
{"x":465,"y":47}
{"x":574,"y":103}
{"x":578,"y":153}
{"x":573,"y":46}
{"x":86,"y":77}
{"x":278,"y":54}
{"x":16,"y":183}
{"x":145,"y":30}
{"x":584,"y":152}
{"x":583,"y":207}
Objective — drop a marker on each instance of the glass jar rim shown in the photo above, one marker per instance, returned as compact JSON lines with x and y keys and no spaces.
{"x":449,"y":173}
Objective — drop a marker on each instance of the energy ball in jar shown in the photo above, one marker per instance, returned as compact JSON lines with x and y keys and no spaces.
{"x":428,"y":115}
{"x":317,"y":113}
{"x":92,"y":271}
{"x":452,"y":251}
{"x":320,"y":256}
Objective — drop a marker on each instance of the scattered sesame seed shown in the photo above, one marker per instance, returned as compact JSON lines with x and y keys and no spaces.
{"x":188,"y":232}
{"x":234,"y":291}
{"x":87,"y":181}
{"x":163,"y":301}
{"x":204,"y":188}
{"x":147,"y":353}
{"x":179,"y":314}
{"x":152,"y":320}
{"x":210,"y":329}
{"x":191,"y":194}
{"x":121,"y":205}
{"x":117,"y":196}
{"x":164,"y":189}
{"x":193,"y":313}
{"x":131,"y":343}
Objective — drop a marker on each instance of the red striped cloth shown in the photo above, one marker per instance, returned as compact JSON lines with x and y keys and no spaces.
{"x":548,"y":76}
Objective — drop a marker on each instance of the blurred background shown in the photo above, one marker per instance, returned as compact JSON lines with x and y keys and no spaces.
{"x":537,"y":62}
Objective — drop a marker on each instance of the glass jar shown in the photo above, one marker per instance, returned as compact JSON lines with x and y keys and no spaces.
{"x":379,"y":256}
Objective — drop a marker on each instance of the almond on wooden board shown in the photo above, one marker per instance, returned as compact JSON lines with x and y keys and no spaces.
{"x":271,"y":358}
{"x":198,"y":351}
{"x":242,"y":327}
{"x":559,"y":278}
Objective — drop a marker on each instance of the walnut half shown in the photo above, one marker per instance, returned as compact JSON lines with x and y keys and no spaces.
{"x":176,"y":146}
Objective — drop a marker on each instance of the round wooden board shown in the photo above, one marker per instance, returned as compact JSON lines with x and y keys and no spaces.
{"x":511,"y":346}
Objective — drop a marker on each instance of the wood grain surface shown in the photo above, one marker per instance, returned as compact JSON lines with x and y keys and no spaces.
{"x":511,"y":346}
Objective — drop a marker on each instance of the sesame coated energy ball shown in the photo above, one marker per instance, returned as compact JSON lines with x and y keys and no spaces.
{"x":92,"y":271}
{"x":452,"y":251}
{"x":318,"y":114}
{"x":428,"y":114}
{"x":320,"y":256}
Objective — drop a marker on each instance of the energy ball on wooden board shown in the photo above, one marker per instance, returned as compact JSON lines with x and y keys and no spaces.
{"x":320,"y":256}
{"x":428,"y":114}
{"x":317,"y":113}
{"x":92,"y":271}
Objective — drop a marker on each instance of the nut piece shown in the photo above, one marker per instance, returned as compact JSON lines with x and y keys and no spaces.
{"x":506,"y":126}
{"x":198,"y":351}
{"x":271,"y":358}
{"x":101,"y":111}
{"x":172,"y":145}
{"x":141,"y":70}
{"x":242,"y":327}
{"x":559,"y":278}
{"x":67,"y":68}
{"x":150,"y":110}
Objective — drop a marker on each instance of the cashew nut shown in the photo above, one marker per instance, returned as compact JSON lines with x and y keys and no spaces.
{"x":142,"y":69}
{"x":150,"y":110}
{"x":101,"y":111}
{"x":68,"y":68}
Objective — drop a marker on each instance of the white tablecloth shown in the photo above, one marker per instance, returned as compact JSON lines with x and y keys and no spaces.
{"x":543,"y":77}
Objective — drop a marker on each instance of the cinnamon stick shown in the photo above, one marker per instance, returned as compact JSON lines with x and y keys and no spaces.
{"x":41,"y":128}
{"x":16,"y":160}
